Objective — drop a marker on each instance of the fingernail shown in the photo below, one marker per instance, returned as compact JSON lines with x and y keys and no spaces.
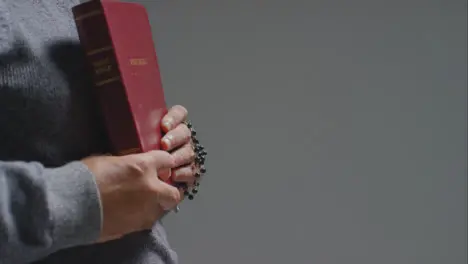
{"x":177,"y":173}
{"x":167,"y":140}
{"x":167,"y":123}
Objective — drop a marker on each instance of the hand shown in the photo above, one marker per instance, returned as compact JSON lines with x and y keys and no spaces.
{"x":177,"y":141}
{"x":133,"y":197}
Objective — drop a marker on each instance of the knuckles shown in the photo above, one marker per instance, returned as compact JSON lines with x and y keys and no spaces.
{"x":187,"y":133}
{"x":185,"y":155}
{"x":139,"y":167}
{"x":192,"y":154}
{"x":180,"y":110}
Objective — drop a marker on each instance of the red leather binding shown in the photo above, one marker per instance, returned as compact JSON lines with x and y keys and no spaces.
{"x":119,"y":47}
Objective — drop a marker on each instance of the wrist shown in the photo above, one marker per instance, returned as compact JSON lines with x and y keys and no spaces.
{"x":75,"y":205}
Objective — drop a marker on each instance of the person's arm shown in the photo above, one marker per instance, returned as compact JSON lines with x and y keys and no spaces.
{"x":43,"y":210}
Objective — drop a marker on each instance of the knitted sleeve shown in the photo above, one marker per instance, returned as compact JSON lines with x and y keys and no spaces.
{"x":43,"y":210}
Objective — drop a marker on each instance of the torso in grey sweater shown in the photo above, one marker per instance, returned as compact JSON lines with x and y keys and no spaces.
{"x":47,"y":116}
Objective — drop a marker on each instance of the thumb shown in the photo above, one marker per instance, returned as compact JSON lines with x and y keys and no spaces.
{"x":167,"y":196}
{"x":159,"y":159}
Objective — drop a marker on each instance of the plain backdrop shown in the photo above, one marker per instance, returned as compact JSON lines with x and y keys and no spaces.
{"x":336,"y":129}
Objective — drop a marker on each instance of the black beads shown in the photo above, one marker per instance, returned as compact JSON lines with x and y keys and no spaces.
{"x":181,"y":185}
{"x":203,"y":169}
{"x":199,"y":149}
{"x":200,"y":159}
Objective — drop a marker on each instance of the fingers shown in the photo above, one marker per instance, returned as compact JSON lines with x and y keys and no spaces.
{"x":184,"y":174}
{"x":176,"y":137}
{"x":154,"y":160}
{"x":160,"y":159}
{"x":168,"y":196}
{"x":176,"y":115}
{"x":184,"y":160}
{"x":164,"y":174}
{"x":184,"y":155}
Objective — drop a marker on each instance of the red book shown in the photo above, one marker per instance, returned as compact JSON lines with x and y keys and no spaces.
{"x":117,"y":39}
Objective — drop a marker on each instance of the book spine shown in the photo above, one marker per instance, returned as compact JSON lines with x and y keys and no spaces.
{"x":111,"y":94}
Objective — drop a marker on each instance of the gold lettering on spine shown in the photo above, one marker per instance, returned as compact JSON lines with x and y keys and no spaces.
{"x":103,"y":69}
{"x":101,"y":62}
{"x":102,"y":66}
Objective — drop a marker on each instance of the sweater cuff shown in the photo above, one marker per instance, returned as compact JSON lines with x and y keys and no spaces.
{"x":75,"y":205}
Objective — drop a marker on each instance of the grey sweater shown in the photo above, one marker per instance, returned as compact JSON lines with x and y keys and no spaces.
{"x":50,"y":210}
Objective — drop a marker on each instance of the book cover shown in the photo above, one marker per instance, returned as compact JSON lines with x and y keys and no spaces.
{"x":119,"y":47}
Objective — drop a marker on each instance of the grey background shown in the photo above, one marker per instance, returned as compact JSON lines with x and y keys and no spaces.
{"x":336,"y":129}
